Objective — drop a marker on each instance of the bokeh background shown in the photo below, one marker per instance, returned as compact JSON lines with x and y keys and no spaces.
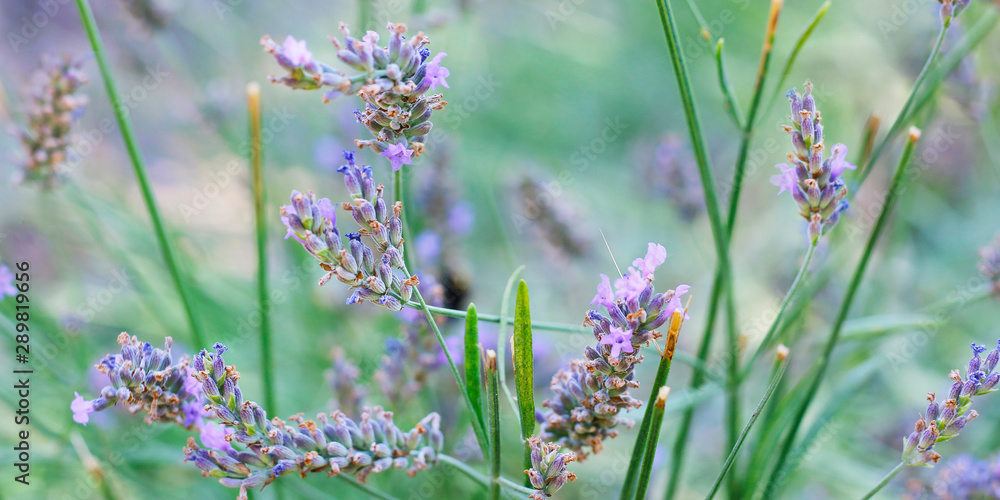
{"x":563,"y":122}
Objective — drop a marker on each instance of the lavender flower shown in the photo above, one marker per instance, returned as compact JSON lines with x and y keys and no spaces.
{"x":673,"y":175}
{"x":590,"y":392}
{"x":398,"y":156}
{"x":942,"y":422}
{"x":552,"y":223}
{"x":314,"y":225}
{"x":963,"y":477}
{"x":989,"y":263}
{"x":262,"y":450}
{"x":53,"y":106}
{"x":548,"y":468}
{"x":950,"y":7}
{"x":145,"y":378}
{"x":393,"y":83}
{"x":343,"y":377}
{"x":7,"y":287}
{"x":814,"y":183}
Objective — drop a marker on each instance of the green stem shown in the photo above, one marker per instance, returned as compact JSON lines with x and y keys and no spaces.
{"x":729,"y":97}
{"x":845,"y":307}
{"x":780,"y":363}
{"x":259,"y":202}
{"x":643,"y":442}
{"x":480,"y":478}
{"x":654,"y":437}
{"x":698,"y":379}
{"x":774,"y":329}
{"x":956,"y":55}
{"x":905,"y":113}
{"x":493,"y":318}
{"x":723,"y":276}
{"x":493,"y":405}
{"x":885,"y":480}
{"x":476,"y":424}
{"x":399,"y":192}
{"x":138,"y":165}
{"x":719,"y":232}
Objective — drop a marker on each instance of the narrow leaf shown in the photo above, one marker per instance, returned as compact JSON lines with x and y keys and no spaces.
{"x":473,"y":379}
{"x":524,"y":367}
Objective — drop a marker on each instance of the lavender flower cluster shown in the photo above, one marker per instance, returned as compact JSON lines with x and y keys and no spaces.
{"x":942,"y":422}
{"x":268,"y":449}
{"x":548,"y":468}
{"x":590,"y":392}
{"x":963,"y":477}
{"x":146,"y":378}
{"x":314,"y":224}
{"x":815,"y":183}
{"x":54,"y":105}
{"x":394,"y":83}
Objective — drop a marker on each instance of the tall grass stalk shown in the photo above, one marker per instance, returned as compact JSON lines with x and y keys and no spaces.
{"x":138,"y":166}
{"x":259,"y":202}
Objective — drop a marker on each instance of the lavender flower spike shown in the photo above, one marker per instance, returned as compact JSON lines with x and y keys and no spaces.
{"x":393,"y":81}
{"x":942,"y":422}
{"x":146,"y":378}
{"x":815,"y":183}
{"x":53,"y":106}
{"x":589,"y":393}
{"x":260,"y":450}
{"x":370,"y":267}
{"x":548,"y":468}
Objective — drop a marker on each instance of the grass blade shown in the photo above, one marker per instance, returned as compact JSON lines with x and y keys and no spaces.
{"x":493,"y":399}
{"x":654,"y":436}
{"x":643,"y":441}
{"x":780,"y":363}
{"x":907,"y":112}
{"x":524,"y":370}
{"x":502,"y":334}
{"x":729,"y":96}
{"x":263,"y":295}
{"x":138,"y":166}
{"x":845,"y":306}
{"x":720,"y":233}
{"x":473,"y":380}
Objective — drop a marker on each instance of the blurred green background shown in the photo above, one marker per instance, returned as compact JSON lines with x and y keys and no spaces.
{"x":556,"y":110}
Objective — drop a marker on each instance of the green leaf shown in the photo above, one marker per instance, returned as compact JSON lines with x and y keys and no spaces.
{"x":473,"y":379}
{"x":524,"y":367}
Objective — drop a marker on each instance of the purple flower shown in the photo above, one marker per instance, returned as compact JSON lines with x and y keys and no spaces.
{"x":838,"y":160}
{"x":619,"y":340}
{"x":213,"y":435}
{"x":81,"y":409}
{"x":655,"y":255}
{"x":786,"y":180}
{"x":436,"y":73}
{"x":6,"y":282}
{"x":461,"y":217}
{"x":675,"y":303}
{"x":630,"y":285}
{"x":605,"y":296}
{"x":398,"y":155}
{"x":296,"y":52}
{"x":428,"y":245}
